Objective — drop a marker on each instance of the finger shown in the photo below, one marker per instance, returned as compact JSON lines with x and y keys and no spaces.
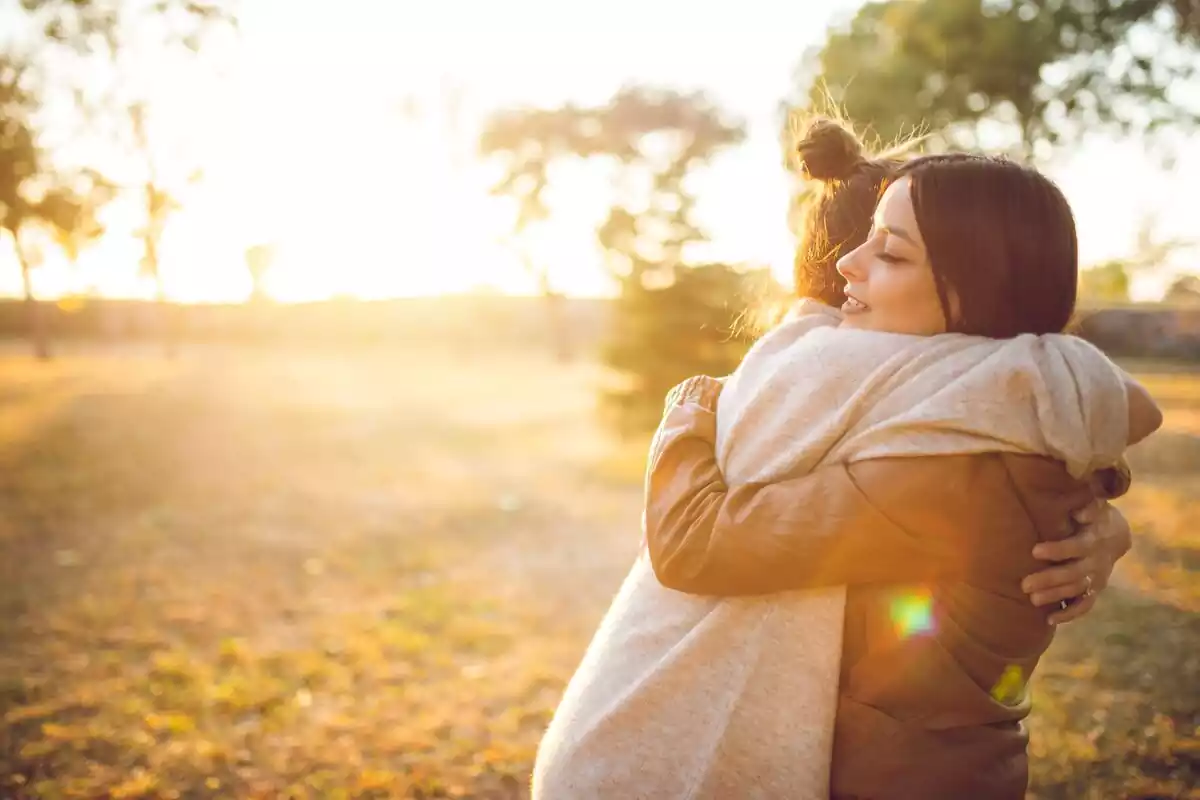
{"x":1063,"y":582}
{"x":1081,"y":544}
{"x":1113,"y":529}
{"x":1122,"y":533}
{"x":1074,"y":611}
{"x":1087,"y":514}
{"x":1057,"y":593}
{"x":1071,"y":573}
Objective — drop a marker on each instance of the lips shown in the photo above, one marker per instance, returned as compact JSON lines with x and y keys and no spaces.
{"x":853,"y":305}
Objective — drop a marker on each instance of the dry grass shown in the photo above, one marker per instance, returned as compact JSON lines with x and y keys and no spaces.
{"x":1117,"y":700}
{"x":284,"y":576}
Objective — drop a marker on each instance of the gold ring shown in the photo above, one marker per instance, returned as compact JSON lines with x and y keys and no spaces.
{"x":1087,"y":581}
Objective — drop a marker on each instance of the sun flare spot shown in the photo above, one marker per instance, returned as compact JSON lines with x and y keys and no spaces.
{"x":912,"y":613}
{"x":1010,"y":688}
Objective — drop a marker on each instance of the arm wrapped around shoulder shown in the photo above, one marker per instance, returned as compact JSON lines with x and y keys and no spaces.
{"x":1145,"y":417}
{"x":1083,"y":404}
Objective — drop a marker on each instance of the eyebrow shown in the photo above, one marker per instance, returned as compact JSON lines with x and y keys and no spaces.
{"x":898,"y":232}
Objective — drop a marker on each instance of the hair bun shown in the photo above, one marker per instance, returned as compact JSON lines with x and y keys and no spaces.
{"x":829,"y":151}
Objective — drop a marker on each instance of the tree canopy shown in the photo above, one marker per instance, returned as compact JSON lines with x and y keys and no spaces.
{"x":673,"y":317}
{"x":1017,"y":74}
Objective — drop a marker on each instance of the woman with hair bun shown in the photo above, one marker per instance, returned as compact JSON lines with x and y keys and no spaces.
{"x":830,"y":600}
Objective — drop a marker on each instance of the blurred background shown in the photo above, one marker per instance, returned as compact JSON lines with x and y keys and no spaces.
{"x":332,"y":335}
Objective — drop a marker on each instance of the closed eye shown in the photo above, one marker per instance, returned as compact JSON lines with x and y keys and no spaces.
{"x":890,"y":259}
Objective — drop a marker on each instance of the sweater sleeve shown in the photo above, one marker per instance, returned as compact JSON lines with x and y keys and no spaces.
{"x":1082,"y":404}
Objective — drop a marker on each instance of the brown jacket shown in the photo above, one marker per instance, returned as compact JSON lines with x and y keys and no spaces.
{"x":939,"y":638}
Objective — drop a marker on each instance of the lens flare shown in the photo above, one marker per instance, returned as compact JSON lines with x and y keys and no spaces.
{"x":912,"y":613}
{"x":71,"y":304}
{"x":1010,"y":689}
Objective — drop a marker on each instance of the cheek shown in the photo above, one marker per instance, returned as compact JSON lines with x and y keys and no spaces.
{"x":899,"y":288}
{"x":926,"y":298}
{"x":912,"y":296}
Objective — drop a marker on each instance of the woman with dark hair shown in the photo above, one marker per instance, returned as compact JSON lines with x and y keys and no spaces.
{"x":902,"y":457}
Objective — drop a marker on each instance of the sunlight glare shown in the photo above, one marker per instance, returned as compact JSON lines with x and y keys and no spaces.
{"x":912,"y":613}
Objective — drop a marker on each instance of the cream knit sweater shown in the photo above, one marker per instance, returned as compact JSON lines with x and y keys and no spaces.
{"x":681,"y":696}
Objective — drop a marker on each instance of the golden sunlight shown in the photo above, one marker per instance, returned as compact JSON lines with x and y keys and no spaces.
{"x":395,"y":212}
{"x":333,"y":342}
{"x":360,"y":169}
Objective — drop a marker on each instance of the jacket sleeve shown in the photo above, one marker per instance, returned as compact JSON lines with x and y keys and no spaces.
{"x":882,"y":520}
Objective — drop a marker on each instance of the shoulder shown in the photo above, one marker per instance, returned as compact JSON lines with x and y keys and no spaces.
{"x":983,"y":495}
{"x":1047,"y":491}
{"x":1037,"y":474}
{"x":1073,"y":351}
{"x":971,"y":469}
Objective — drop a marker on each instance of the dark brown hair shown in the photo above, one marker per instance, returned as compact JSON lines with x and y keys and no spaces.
{"x":1000,"y":236}
{"x":1001,"y":242}
{"x":836,"y":217}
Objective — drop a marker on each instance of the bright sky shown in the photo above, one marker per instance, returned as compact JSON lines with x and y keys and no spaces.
{"x":304,"y":144}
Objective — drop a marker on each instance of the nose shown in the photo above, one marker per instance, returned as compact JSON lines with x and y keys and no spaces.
{"x":851,"y":265}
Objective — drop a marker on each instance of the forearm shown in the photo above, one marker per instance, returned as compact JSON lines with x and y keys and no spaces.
{"x":821,"y":529}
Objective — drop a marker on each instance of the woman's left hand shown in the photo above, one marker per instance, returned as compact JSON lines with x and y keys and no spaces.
{"x":1083,"y":563}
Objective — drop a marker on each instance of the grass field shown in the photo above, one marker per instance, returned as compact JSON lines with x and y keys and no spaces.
{"x":257,"y":575}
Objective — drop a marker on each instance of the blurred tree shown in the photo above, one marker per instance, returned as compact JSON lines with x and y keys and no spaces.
{"x":968,"y":70}
{"x":105,"y":55}
{"x":1184,"y":290}
{"x":259,"y":258}
{"x":530,"y":141}
{"x":158,"y":205}
{"x":160,"y":200}
{"x":33,"y":197}
{"x":90,"y":26}
{"x":663,"y":135}
{"x":1151,"y":251}
{"x":1104,"y":284}
{"x":671,"y":320}
{"x":663,"y":334}
{"x":1152,"y":254}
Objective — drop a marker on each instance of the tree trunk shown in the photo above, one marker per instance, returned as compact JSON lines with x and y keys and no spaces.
{"x":163,"y":315}
{"x":258,"y":291}
{"x":560,"y":327}
{"x":1028,"y":148}
{"x":35,"y":318}
{"x":557,"y":324}
{"x":166,"y":316}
